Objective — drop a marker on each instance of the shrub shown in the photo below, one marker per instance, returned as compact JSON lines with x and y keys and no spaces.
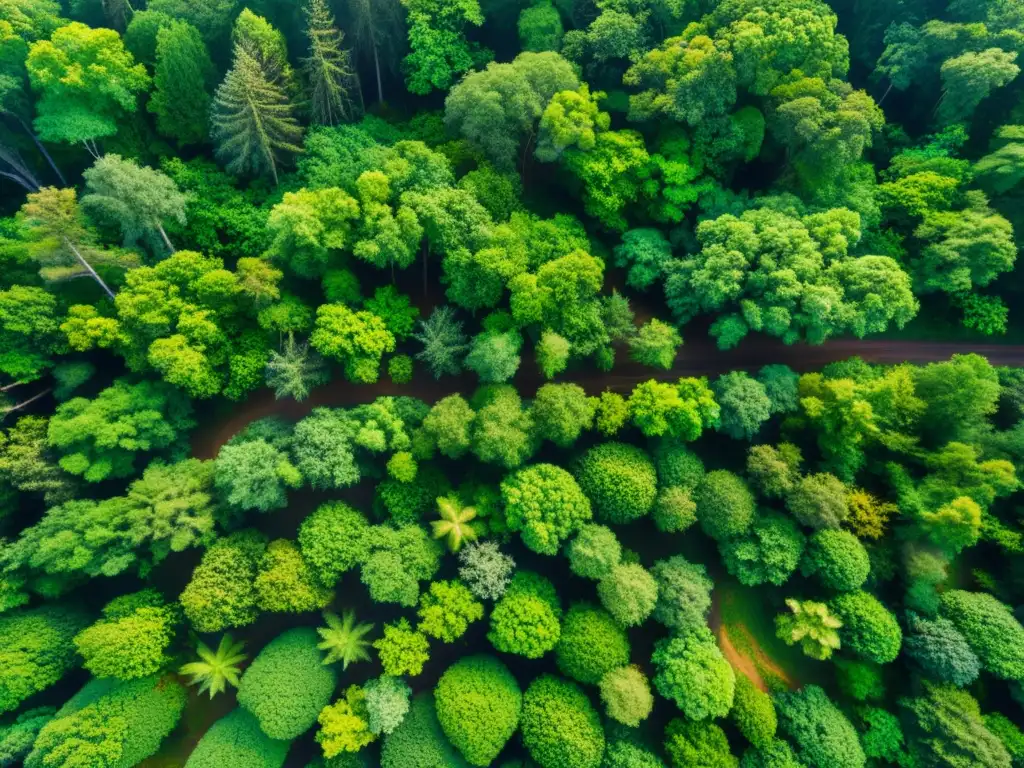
{"x":684,"y":593}
{"x":478,"y":705}
{"x":221,"y":593}
{"x":525,"y":621}
{"x":693,"y":744}
{"x":560,"y":727}
{"x":725,"y":505}
{"x":619,"y":480}
{"x":1008,"y":733}
{"x":387,"y":702}
{"x":110,"y":723}
{"x":674,"y":510}
{"x":334,"y":539}
{"x":419,"y":741}
{"x":486,"y":570}
{"x":36,"y":651}
{"x":545,"y":504}
{"x":592,"y":643}
{"x":344,"y":725}
{"x":132,"y":638}
{"x":819,"y":501}
{"x":447,"y":609}
{"x":625,"y":753}
{"x":286,"y":584}
{"x":812,"y":625}
{"x":237,"y":741}
{"x":402,"y":651}
{"x":753,"y":713}
{"x":860,"y":680}
{"x":995,"y":636}
{"x":18,"y":736}
{"x":629,"y":593}
{"x":822,"y":735}
{"x":869,"y":629}
{"x":944,"y":727}
{"x":774,"y":470}
{"x":692,"y":672}
{"x":677,"y":466}
{"x":626,"y":695}
{"x":837,"y":559}
{"x":287,"y":684}
{"x":766,"y":554}
{"x":400,"y":369}
{"x":594,"y":551}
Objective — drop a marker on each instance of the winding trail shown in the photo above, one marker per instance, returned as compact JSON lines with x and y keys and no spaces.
{"x":699,"y":357}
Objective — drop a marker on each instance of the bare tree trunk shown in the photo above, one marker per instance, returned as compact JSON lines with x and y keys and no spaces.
{"x":88,"y":267}
{"x":9,"y":387}
{"x":43,"y":151}
{"x":426,"y":255}
{"x":167,"y":240}
{"x":23,"y":183}
{"x":376,"y":64}
{"x":19,"y":172}
{"x":26,"y":403}
{"x":885,"y":94}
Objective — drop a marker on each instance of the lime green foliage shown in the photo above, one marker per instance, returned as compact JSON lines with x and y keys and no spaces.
{"x":991,"y":630}
{"x":503,"y":431}
{"x":216,"y":670}
{"x":552,"y":353}
{"x":287,"y":684}
{"x":819,"y":501}
{"x":692,"y":672}
{"x":655,"y":344}
{"x":611,"y":414}
{"x":402,"y":651}
{"x":812,"y":625}
{"x":869,"y":630}
{"x":1008,"y":733}
{"x":110,"y":723}
{"x":674,"y":510}
{"x":753,"y":713}
{"x":560,"y":727}
{"x":29,"y":332}
{"x":526,"y":620}
{"x":478,"y":705}
{"x":36,"y":650}
{"x":400,"y":369}
{"x":594,"y":551}
{"x":132,"y":639}
{"x":725,"y":505}
{"x":17,"y":737}
{"x":456,"y":525}
{"x":682,"y":411}
{"x":540,"y":28}
{"x":286,"y":584}
{"x":447,"y":609}
{"x":419,"y":741}
{"x":689,"y":743}
{"x":684,"y":593}
{"x":343,"y":639}
{"x":334,"y":539}
{"x":626,"y":695}
{"x":768,"y":553}
{"x":561,"y":412}
{"x":545,"y":504}
{"x":357,"y":340}
{"x":629,"y":593}
{"x":99,"y":438}
{"x":591,"y":644}
{"x":344,"y":725}
{"x":837,"y":559}
{"x":817,"y":729}
{"x":221,"y":593}
{"x":619,"y":480}
{"x":236,"y":740}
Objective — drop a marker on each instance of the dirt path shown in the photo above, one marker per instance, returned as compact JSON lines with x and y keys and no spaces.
{"x":748,"y":665}
{"x":697,"y":358}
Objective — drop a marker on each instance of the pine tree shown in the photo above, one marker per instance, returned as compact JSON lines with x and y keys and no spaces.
{"x":253,"y":119}
{"x":294,"y":371}
{"x":328,"y":68}
{"x":182,"y":78}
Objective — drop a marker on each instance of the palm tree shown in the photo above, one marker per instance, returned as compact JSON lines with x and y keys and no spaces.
{"x":343,"y":639}
{"x":454,"y":524}
{"x":216,"y":670}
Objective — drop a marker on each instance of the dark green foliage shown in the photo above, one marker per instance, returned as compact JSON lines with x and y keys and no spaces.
{"x":677,"y":465}
{"x":17,"y":737}
{"x":591,"y":644}
{"x":1008,"y":733}
{"x":745,"y":405}
{"x":619,"y":480}
{"x":419,"y":741}
{"x":478,"y":704}
{"x":287,"y":684}
{"x":944,"y":727}
{"x":684,"y":593}
{"x":822,"y":735}
{"x":560,"y":727}
{"x":991,"y":630}
{"x":837,"y":559}
{"x":725,"y":505}
{"x":766,"y":554}
{"x":869,"y":630}
{"x":940,"y":651}
{"x":236,"y":739}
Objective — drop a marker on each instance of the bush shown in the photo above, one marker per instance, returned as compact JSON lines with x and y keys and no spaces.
{"x":18,"y":736}
{"x":837,"y":559}
{"x":419,"y":741}
{"x":684,"y":593}
{"x":860,"y":680}
{"x":132,"y":638}
{"x":447,"y":609}
{"x":625,"y":753}
{"x":753,"y":713}
{"x":677,"y":466}
{"x":400,"y":369}
{"x":402,"y":650}
{"x":1008,"y":733}
{"x":766,"y":554}
{"x":545,"y":504}
{"x":778,"y":754}
{"x":110,"y":723}
{"x":344,"y":725}
{"x":237,"y":741}
{"x":594,"y":551}
{"x":674,"y":510}
{"x":619,"y":480}
{"x":221,"y":593}
{"x":693,"y":744}
{"x":626,"y":695}
{"x":286,"y":584}
{"x":478,"y":705}
{"x":334,"y":539}
{"x":725,"y":505}
{"x":560,"y":727}
{"x":287,"y":684}
{"x":822,"y":735}
{"x":629,"y":593}
{"x":561,"y":412}
{"x":869,"y":630}
{"x":995,"y":636}
{"x":692,"y":672}
{"x":525,"y":621}
{"x":592,"y":643}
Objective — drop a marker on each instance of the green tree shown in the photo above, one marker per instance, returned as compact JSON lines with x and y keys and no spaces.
{"x":486,"y":570}
{"x":655,"y":344}
{"x":810,"y":624}
{"x":343,"y":639}
{"x":438,"y":51}
{"x":940,"y":651}
{"x":444,"y":343}
{"x":571,"y":119}
{"x":944,"y":726}
{"x":478,"y":705}
{"x":837,"y":559}
{"x":682,"y":411}
{"x":561,"y":412}
{"x":29,"y":332}
{"x":494,"y":356}
{"x":692,"y":672}
{"x":232,"y":739}
{"x":629,"y":593}
{"x":285,"y":583}
{"x":447,"y":609}
{"x":358,"y":340}
{"x":216,"y":670}
{"x":619,"y":480}
{"x":220,"y":593}
{"x":387,"y":703}
{"x":688,"y":743}
{"x":968,"y":79}
{"x":560,"y":727}
{"x":594,"y":551}
{"x":626,"y":695}
{"x":419,"y":739}
{"x":402,"y":650}
{"x":869,"y":630}
{"x":819,"y":501}
{"x":990,"y":629}
{"x":455,"y":526}
{"x":644,"y":252}
{"x":552,"y":353}
{"x":328,"y":68}
{"x":612,"y":174}
{"x":525,"y":620}
{"x":591,"y":644}
{"x":545,"y":504}
{"x":684,"y":593}
{"x":181,"y":84}
{"x":294,"y":371}
{"x":768,"y":553}
{"x":744,"y":404}
{"x":132,"y":638}
{"x":753,"y":713}
{"x":253,"y":122}
{"x":819,"y":731}
{"x":254,"y":475}
{"x":725,"y":505}
{"x":540,"y":28}
{"x":310,"y":227}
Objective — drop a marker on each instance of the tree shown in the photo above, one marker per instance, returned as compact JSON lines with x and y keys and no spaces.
{"x":503,"y":430}
{"x":29,"y":332}
{"x":444,"y":343}
{"x":837,"y":559}
{"x":970,"y":78}
{"x":644,"y":252}
{"x":768,"y":553}
{"x":990,"y":629}
{"x":438,"y":50}
{"x":869,"y":630}
{"x":220,"y":593}
{"x":287,"y":684}
{"x":560,"y":727}
{"x":87,"y":83}
{"x":343,"y":639}
{"x":540,"y":28}
{"x":692,"y":672}
{"x":611,"y":174}
{"x":137,"y":199}
{"x":545,"y":504}
{"x":486,"y":570}
{"x":629,"y":592}
{"x":328,"y":68}
{"x":216,"y":670}
{"x":940,"y":651}
{"x":494,"y":356}
{"x":744,"y":404}
{"x":681,"y":411}
{"x":626,"y":695}
{"x":402,"y":650}
{"x":655,"y":344}
{"x":455,"y":525}
{"x":233,"y":739}
{"x":447,"y":609}
{"x":285,"y":583}
{"x":818,"y":729}
{"x":344,"y":726}
{"x":561,"y":412}
{"x":525,"y":620}
{"x":552,"y":353}
{"x":27,"y":465}
{"x":358,"y":340}
{"x":253,"y":125}
{"x":386,"y":237}
{"x":181,"y":84}
{"x":810,"y":624}
{"x":387,"y":703}
{"x":944,"y":726}
{"x":1001,"y":170}
{"x":619,"y":480}
{"x":594,"y":551}
{"x":684,"y":594}
{"x":18,"y":736}
{"x":689,"y":743}
{"x":294,"y":371}
{"x":377,"y":27}
{"x":478,"y":704}
{"x":819,"y":501}
{"x":591,"y":644}
{"x":725,"y":505}
{"x":753,"y":713}
{"x":255,"y":475}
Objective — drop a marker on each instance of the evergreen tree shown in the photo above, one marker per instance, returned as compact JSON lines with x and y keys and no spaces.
{"x":182,"y":78}
{"x":328,"y":68}
{"x":253,"y":119}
